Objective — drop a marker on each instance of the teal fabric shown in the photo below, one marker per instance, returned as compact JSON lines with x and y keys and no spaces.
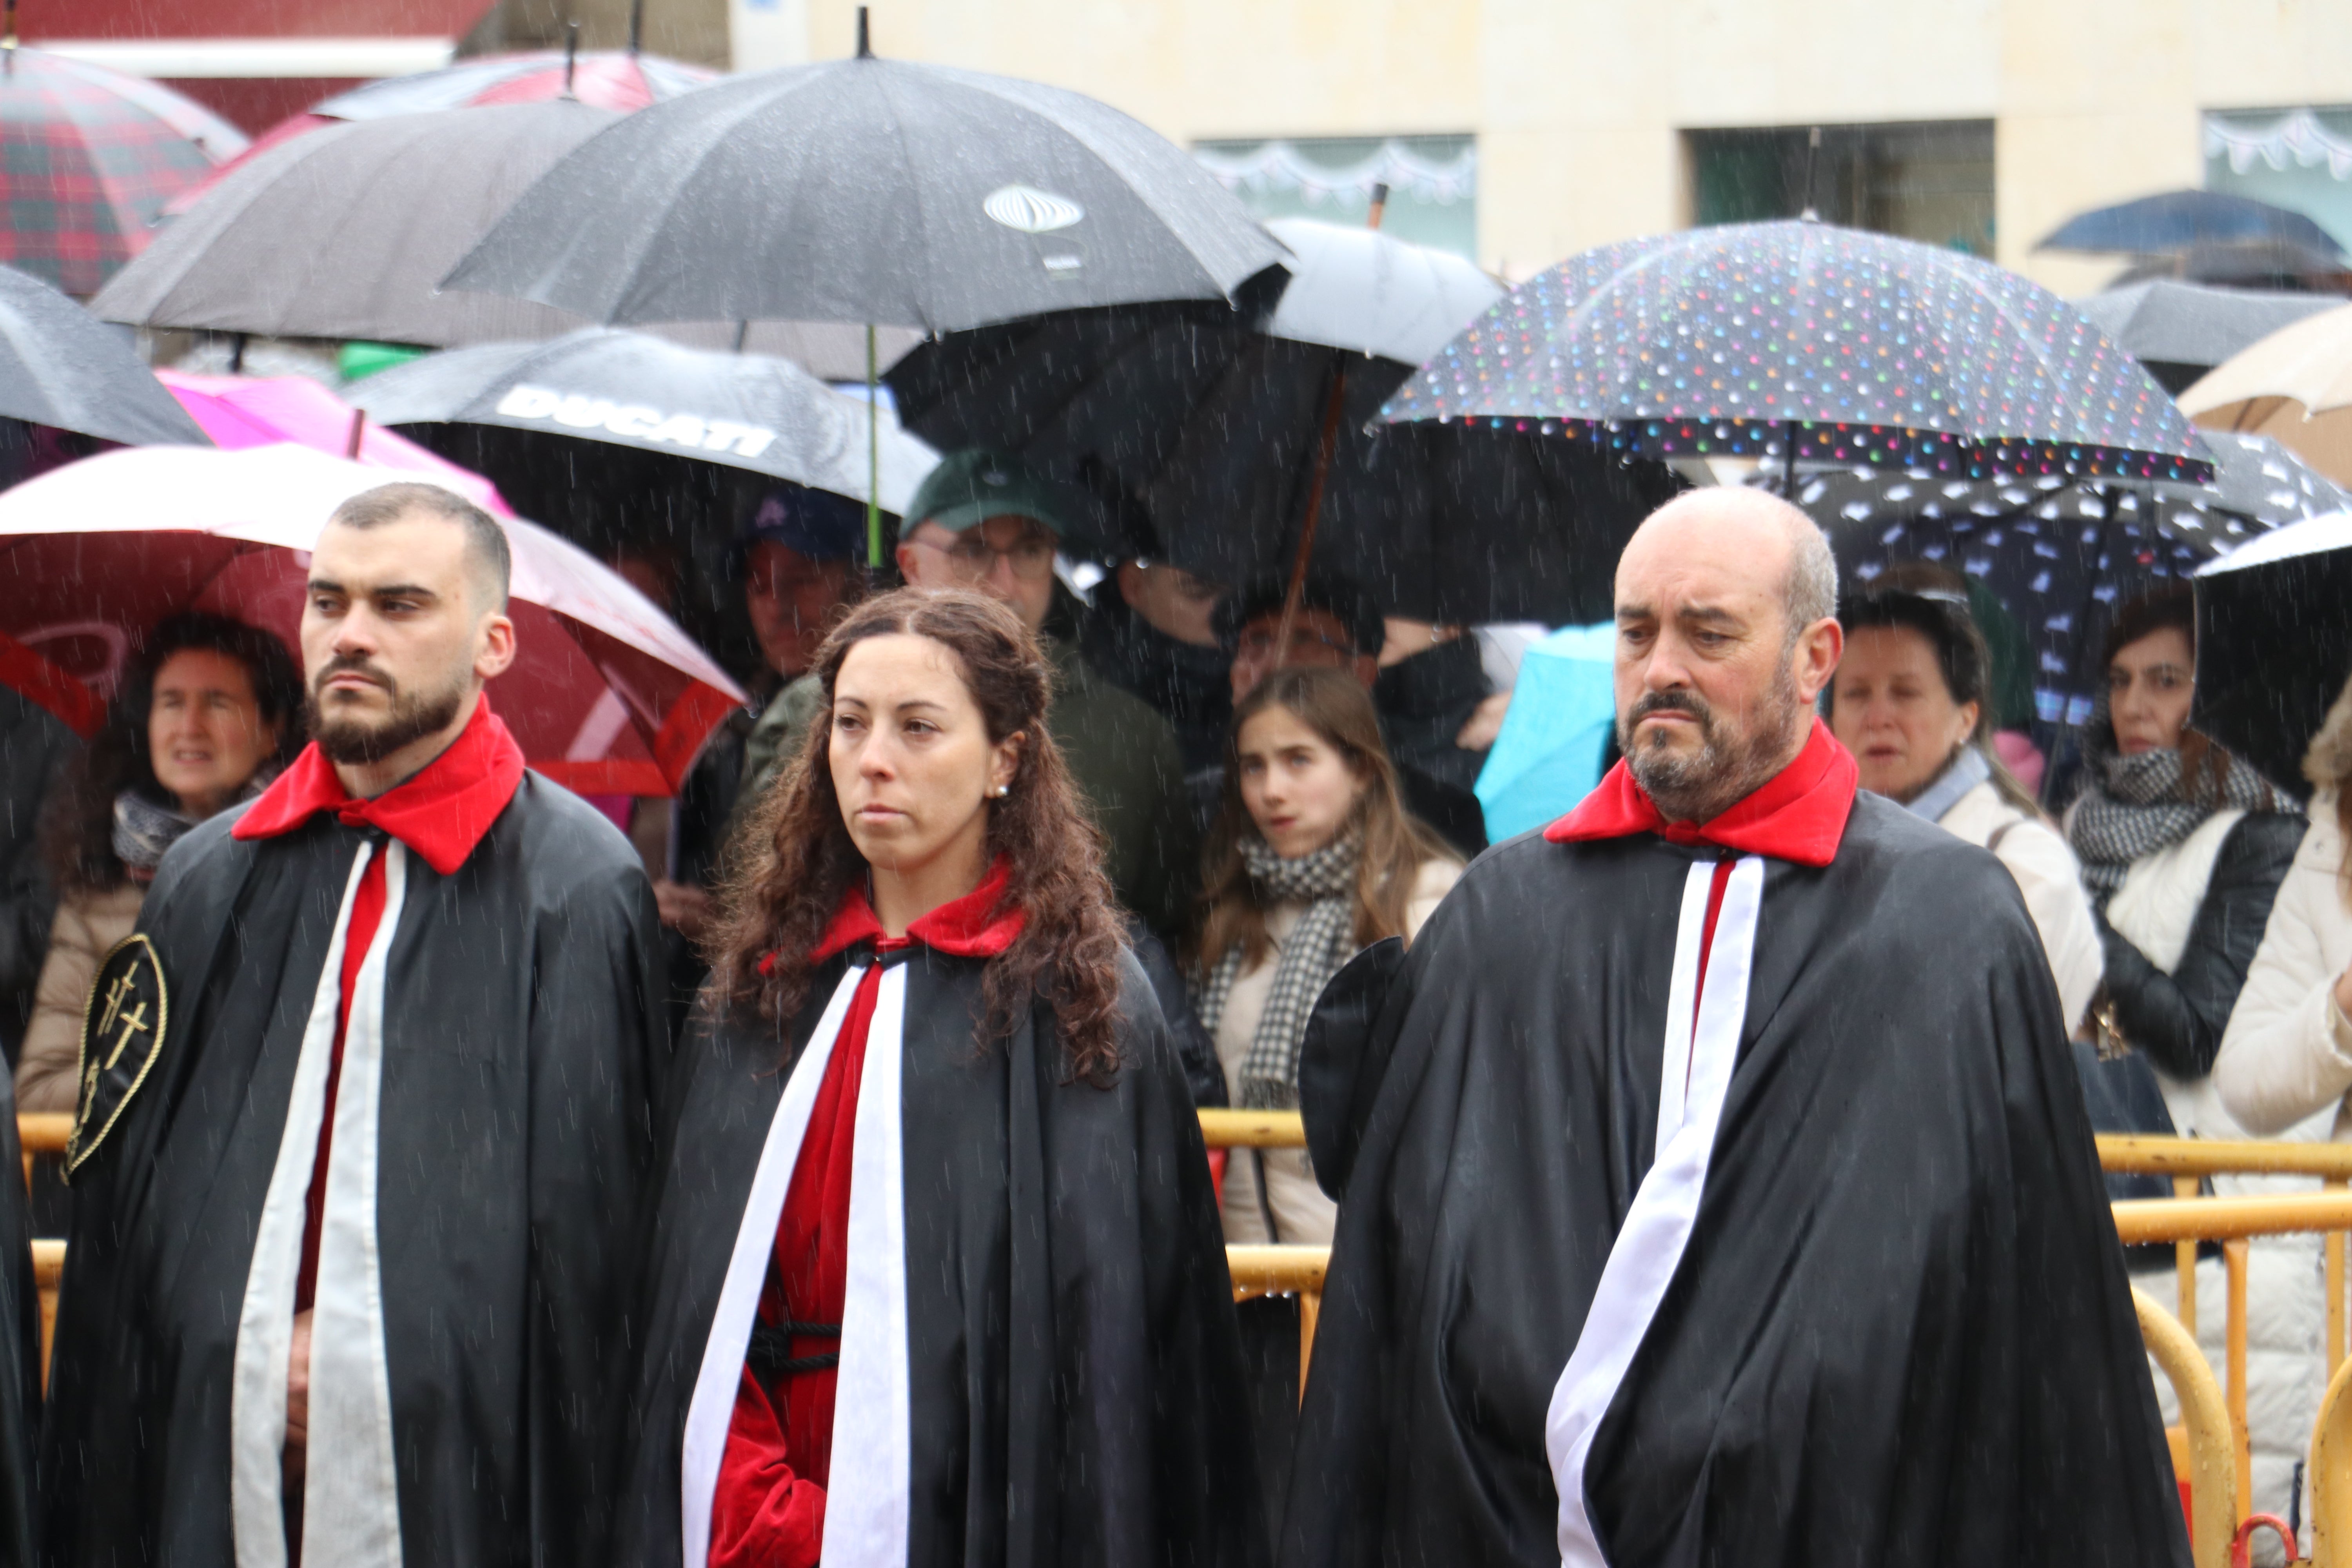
{"x":1548,"y":756}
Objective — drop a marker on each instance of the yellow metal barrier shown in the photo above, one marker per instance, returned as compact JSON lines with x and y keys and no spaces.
{"x":2331,"y":1476}
{"x":2213,"y":1477}
{"x":1253,"y":1130}
{"x":1284,"y":1271}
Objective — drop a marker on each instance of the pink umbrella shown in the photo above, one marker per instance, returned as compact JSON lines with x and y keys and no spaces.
{"x":607,"y":697}
{"x":238,"y":411}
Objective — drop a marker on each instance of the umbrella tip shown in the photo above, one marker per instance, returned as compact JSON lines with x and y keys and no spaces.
{"x":571,"y":53}
{"x":865,"y":44}
{"x":1380,"y":204}
{"x":636,"y":26}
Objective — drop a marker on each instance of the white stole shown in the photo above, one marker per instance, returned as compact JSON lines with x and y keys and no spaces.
{"x":866,"y":1499}
{"x":1694,"y":1078}
{"x":351,"y":1516}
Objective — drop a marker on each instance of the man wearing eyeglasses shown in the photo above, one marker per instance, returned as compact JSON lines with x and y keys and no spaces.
{"x":990,"y":522}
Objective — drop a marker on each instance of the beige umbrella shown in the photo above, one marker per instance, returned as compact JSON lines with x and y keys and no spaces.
{"x":2294,"y":387}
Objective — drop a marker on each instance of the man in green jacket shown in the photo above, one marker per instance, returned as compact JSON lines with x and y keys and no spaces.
{"x":989,"y":521}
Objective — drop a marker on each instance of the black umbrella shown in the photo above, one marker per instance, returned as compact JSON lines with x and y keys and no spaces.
{"x":875,"y":192}
{"x":1199,"y":432}
{"x":743,"y":411}
{"x":2274,"y":643}
{"x":61,"y":366}
{"x":2059,"y":555}
{"x":870,"y":191}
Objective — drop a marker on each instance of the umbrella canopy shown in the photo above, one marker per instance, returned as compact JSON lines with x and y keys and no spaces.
{"x":345,"y":233}
{"x":2059,"y":555}
{"x":2176,"y":221}
{"x":2173,"y":327}
{"x":238,"y":411}
{"x":87,"y":158}
{"x":620,"y":79}
{"x":870,"y":191}
{"x":2294,"y":387}
{"x":60,"y":366}
{"x":1555,"y":733}
{"x":2274,"y":643}
{"x":1198,"y":432}
{"x":605,"y":694}
{"x":1744,"y":339}
{"x":745,"y":411}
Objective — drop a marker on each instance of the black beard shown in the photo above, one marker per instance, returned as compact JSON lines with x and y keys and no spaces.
{"x":1725,"y":769}
{"x":411,"y":717}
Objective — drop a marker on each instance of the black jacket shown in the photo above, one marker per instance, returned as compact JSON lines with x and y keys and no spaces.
{"x":2177,"y":1018}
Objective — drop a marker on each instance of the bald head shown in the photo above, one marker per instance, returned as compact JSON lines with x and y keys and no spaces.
{"x":1751,"y":534}
{"x":1725,"y":638}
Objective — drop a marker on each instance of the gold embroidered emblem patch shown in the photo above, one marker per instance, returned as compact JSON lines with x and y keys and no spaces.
{"x":122,"y":1028}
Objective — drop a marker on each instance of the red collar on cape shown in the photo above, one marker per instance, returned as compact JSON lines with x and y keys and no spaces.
{"x":971,"y":927}
{"x":440,"y":813}
{"x":1800,"y":815}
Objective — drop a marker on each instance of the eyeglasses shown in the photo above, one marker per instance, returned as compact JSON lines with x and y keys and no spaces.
{"x":972,"y":558}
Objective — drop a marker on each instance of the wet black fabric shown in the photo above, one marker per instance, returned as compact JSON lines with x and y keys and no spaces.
{"x":20,"y":1349}
{"x":522,"y":1043}
{"x":1076,"y":1390}
{"x":1900,"y":1332}
{"x":1190,"y":685}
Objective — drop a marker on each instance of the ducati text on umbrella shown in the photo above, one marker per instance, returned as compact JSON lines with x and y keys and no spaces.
{"x":635,"y":420}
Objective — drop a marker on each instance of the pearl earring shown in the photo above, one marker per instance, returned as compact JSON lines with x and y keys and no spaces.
{"x":1003,"y":790}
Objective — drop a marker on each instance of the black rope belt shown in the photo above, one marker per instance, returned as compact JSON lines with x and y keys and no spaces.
{"x":771,"y":1355}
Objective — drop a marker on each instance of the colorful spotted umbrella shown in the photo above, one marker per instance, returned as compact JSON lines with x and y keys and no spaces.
{"x":1801,"y":341}
{"x":87,"y":159}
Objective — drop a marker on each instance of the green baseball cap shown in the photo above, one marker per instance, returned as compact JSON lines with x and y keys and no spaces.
{"x":972,"y":486}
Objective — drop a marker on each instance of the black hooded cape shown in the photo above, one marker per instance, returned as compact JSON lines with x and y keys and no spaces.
{"x":523,"y":1042}
{"x":1076,"y":1392}
{"x":1899,"y":1332}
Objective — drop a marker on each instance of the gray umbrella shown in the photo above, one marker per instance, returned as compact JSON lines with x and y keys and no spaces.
{"x":870,"y":191}
{"x":345,"y":232}
{"x":61,"y":366}
{"x":746,"y":411}
{"x":2162,"y":323}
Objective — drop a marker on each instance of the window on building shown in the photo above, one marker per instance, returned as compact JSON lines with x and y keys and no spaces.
{"x":1432,"y":182}
{"x":1929,"y":180}
{"x":2299,"y":159}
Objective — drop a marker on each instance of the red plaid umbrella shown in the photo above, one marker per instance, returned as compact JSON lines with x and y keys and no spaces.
{"x":618,"y":80}
{"x":87,"y":159}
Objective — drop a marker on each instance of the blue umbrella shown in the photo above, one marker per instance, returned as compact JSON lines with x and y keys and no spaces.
{"x":2182,"y":220}
{"x":1557,"y":729}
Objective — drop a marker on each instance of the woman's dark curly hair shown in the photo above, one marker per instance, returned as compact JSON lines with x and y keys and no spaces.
{"x":796,"y":859}
{"x":78,"y":832}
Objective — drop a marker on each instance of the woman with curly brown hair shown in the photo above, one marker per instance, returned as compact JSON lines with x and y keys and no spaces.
{"x":935,"y":1274}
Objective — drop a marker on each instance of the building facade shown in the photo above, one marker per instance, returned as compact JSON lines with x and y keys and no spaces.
{"x":1522,"y":130}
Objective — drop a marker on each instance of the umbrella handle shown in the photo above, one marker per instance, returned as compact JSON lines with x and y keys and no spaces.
{"x":1322,"y":465}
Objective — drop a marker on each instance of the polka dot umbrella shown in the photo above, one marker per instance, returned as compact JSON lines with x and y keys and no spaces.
{"x":2059,"y":553}
{"x":1801,"y":341}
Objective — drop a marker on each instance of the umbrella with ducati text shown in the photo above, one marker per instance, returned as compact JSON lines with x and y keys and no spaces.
{"x":1801,"y":341}
{"x":606,"y":694}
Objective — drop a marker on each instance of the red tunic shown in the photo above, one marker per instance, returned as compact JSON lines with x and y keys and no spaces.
{"x":769,"y":1509}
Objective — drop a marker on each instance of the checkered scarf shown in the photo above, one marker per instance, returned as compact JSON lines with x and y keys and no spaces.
{"x":1317,"y":948}
{"x":2138,"y":805}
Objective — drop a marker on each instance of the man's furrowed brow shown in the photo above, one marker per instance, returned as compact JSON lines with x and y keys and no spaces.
{"x":1708,"y":615}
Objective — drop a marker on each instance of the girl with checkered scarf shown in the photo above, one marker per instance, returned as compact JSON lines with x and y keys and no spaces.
{"x":1312,"y":858}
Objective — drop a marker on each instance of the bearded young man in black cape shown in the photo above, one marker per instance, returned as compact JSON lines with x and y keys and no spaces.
{"x":1718,"y":1187}
{"x":364,"y":1125}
